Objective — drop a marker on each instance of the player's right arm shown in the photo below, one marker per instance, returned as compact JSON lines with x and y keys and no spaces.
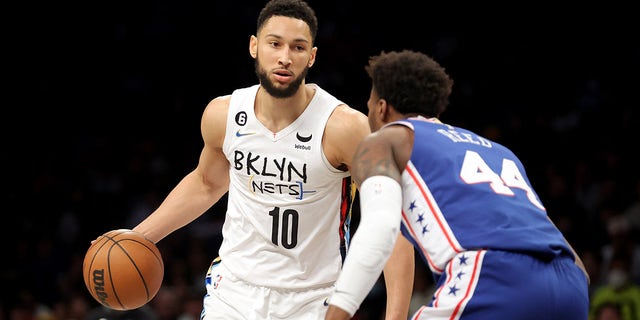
{"x":201,"y":188}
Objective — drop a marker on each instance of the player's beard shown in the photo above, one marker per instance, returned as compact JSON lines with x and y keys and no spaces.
{"x":276,"y":92}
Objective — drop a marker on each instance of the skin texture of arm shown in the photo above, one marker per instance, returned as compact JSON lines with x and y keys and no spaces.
{"x":202,"y":187}
{"x":398,"y":273}
{"x":401,"y":267}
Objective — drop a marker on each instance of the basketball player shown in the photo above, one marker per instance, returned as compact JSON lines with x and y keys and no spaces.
{"x":465,"y":203}
{"x":282,"y":150}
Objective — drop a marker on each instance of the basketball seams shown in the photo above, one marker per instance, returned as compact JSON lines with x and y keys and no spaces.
{"x":113,"y":286}
{"x":96,"y":251}
{"x":149,"y":269}
{"x":133,"y":261}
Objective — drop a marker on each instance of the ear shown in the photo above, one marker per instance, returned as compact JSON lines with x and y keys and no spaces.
{"x":312,"y":58}
{"x":253,"y":46}
{"x":382,"y":108}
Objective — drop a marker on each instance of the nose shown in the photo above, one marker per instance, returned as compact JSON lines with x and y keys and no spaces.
{"x":285,"y":57}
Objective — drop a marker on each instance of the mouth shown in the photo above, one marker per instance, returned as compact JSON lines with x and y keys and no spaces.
{"x":282,"y":75}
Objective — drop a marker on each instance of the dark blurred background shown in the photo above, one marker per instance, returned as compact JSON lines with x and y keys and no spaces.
{"x":103,"y":102}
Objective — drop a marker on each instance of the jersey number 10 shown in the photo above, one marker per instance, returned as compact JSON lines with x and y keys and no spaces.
{"x":288,"y":230}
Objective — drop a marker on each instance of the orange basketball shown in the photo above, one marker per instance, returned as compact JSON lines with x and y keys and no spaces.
{"x":123,"y":270}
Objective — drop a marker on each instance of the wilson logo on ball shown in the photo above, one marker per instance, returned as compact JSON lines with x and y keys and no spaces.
{"x":98,"y":286}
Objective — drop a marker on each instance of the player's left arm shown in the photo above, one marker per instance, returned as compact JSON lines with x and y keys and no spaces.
{"x":347,"y":127}
{"x":398,"y":275}
{"x":578,"y":260}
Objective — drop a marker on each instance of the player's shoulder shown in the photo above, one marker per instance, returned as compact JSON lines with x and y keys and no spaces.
{"x":346,"y":118}
{"x":217,"y":106}
{"x":222,"y":103}
{"x":344,"y":130}
{"x":345,"y":112}
{"x":214,"y":116}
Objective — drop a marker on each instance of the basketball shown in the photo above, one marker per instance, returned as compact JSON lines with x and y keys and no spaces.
{"x":123,"y":270}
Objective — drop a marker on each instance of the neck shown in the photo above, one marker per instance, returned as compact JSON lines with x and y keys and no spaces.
{"x":278,"y":113}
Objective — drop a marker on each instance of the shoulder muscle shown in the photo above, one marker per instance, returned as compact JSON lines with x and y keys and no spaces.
{"x":345,"y":129}
{"x":214,"y":121}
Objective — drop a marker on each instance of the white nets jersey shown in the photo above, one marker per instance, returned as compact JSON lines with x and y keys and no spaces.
{"x":287,"y":205}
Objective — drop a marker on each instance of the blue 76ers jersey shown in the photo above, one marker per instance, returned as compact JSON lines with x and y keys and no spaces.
{"x":464,"y":192}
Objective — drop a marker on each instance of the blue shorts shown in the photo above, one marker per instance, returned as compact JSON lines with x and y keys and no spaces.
{"x":480,"y":285}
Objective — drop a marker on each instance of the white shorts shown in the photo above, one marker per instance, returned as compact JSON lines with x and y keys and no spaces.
{"x":230,"y":298}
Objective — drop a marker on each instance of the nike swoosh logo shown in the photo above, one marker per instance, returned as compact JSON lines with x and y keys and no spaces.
{"x":303,"y":139}
{"x":326,"y":302}
{"x":242,"y":134}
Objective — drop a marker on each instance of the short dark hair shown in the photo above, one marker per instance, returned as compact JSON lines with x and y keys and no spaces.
{"x":297,"y":9}
{"x":411,"y":82}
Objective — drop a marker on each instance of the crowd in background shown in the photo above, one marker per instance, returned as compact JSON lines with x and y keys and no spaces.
{"x":112,"y":104}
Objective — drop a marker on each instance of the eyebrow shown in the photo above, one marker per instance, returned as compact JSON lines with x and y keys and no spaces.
{"x":280,"y":38}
